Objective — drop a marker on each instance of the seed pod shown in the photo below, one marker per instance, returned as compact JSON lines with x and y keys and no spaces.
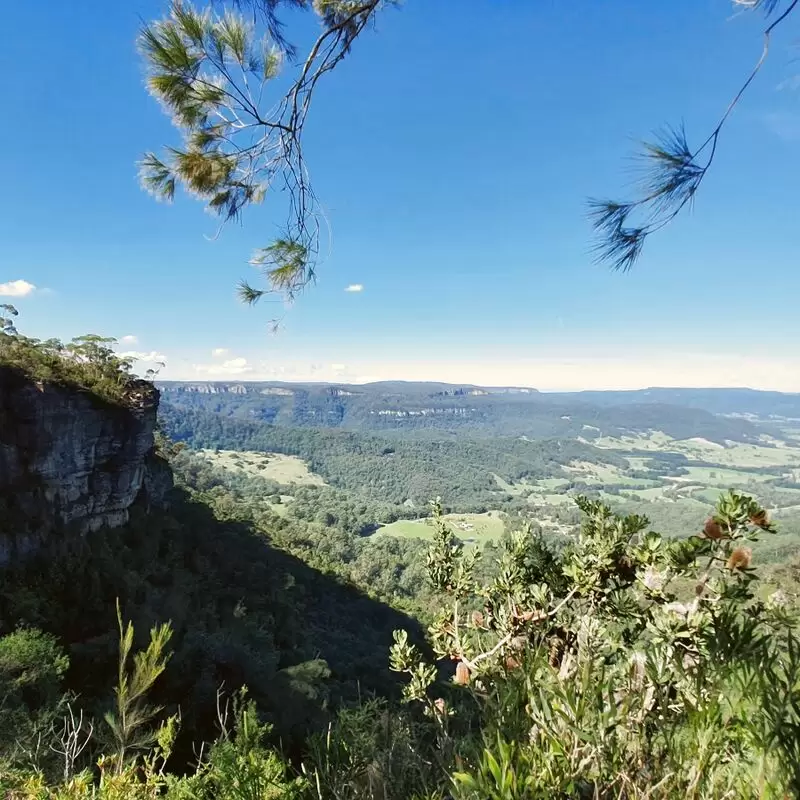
{"x":512,"y":663}
{"x":556,"y":651}
{"x":462,"y":674}
{"x":760,"y":518}
{"x":712,"y":529}
{"x":477,"y":619}
{"x":740,"y":558}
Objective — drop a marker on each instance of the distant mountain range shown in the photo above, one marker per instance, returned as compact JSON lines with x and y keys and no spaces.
{"x":447,"y":409}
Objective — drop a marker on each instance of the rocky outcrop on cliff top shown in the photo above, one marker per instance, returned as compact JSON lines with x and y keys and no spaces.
{"x":72,"y":462}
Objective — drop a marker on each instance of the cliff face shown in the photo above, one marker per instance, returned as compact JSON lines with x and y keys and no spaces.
{"x":70,"y":462}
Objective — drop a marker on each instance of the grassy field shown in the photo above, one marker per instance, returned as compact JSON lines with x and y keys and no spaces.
{"x":734,"y":454}
{"x":471,"y":528}
{"x":286,"y":470}
{"x":722,"y":476}
{"x":726,"y":466}
{"x":591,"y":473}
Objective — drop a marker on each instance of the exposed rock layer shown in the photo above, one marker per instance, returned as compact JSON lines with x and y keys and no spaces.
{"x":71,"y":462}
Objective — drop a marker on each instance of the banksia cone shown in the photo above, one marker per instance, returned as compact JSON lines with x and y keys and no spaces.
{"x":556,"y":651}
{"x":712,"y":529}
{"x":477,"y":619}
{"x":462,"y":674}
{"x":740,"y":558}
{"x":760,"y":518}
{"x":512,"y":663}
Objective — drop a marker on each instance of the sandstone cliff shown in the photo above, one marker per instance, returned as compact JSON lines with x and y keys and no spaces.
{"x":71,"y":462}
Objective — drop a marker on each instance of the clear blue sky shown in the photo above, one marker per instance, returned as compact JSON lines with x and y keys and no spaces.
{"x":453,"y":150}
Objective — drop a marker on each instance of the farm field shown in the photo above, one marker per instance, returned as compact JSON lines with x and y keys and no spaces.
{"x":736,"y":454}
{"x":675,"y":482}
{"x":751,"y":467}
{"x":285,"y":470}
{"x":470,"y":528}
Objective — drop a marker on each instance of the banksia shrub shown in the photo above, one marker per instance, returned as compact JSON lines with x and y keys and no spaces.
{"x":606,"y":670}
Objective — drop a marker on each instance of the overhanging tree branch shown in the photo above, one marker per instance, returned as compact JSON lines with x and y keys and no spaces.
{"x":672,"y":172}
{"x":210,"y":72}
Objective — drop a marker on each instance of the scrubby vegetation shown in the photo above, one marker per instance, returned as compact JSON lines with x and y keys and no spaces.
{"x":621,"y":665}
{"x":287,"y":654}
{"x":87,"y":362}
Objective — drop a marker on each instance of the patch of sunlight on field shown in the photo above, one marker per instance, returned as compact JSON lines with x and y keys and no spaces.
{"x":525,"y":487}
{"x":471,"y":528}
{"x":709,"y":495}
{"x":743,"y":455}
{"x":720,"y":476}
{"x":282,"y":508}
{"x":733,"y":454}
{"x":590,"y":473}
{"x":552,"y":483}
{"x":655,"y":440}
{"x":277,"y":467}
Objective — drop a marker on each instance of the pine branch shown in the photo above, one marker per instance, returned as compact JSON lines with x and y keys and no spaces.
{"x":210,"y":73}
{"x":672,"y":174}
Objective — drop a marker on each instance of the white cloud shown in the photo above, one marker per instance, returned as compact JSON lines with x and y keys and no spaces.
{"x":129,"y":339}
{"x":355,"y":287}
{"x":17,"y":288}
{"x":233,"y":366}
{"x":218,"y":352}
{"x":339,"y":367}
{"x":138,"y":355}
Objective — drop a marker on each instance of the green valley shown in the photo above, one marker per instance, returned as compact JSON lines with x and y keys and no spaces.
{"x":424,"y":463}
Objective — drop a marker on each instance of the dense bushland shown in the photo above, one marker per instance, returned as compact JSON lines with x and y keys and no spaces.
{"x":87,"y":362}
{"x":624,"y":665}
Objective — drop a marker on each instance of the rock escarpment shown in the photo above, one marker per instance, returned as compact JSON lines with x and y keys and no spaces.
{"x":71,"y":462}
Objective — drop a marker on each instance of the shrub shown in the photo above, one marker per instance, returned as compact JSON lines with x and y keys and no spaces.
{"x":628,"y":666}
{"x":87,"y":362}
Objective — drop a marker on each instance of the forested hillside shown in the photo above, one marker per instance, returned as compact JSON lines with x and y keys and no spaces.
{"x":392,"y":469}
{"x":718,"y":401}
{"x":639,"y":468}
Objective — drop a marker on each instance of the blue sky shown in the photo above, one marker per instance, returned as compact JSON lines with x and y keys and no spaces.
{"x":453,"y":152}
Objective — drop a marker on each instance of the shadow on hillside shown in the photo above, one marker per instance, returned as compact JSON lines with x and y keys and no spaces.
{"x":243,"y":613}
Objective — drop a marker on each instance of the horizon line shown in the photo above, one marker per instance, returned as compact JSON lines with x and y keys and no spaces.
{"x":230,"y":382}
